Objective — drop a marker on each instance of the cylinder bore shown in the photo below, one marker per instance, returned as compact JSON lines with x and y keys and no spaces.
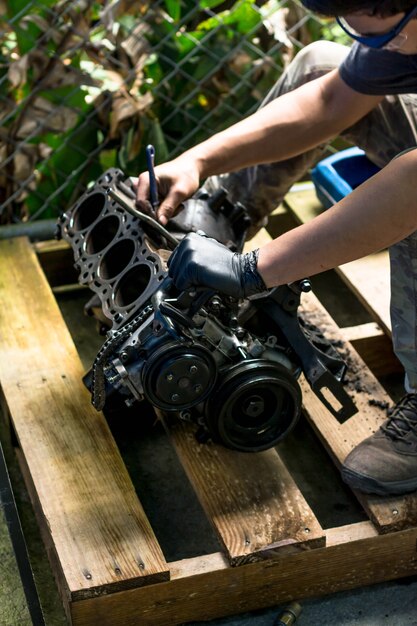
{"x":88,"y":211}
{"x":102,"y":234}
{"x":132,"y":285}
{"x":116,"y":259}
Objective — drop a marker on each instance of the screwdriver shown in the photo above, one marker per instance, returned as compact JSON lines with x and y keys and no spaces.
{"x":153,"y":188}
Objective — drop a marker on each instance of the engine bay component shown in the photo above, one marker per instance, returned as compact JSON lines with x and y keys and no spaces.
{"x":231,"y":367}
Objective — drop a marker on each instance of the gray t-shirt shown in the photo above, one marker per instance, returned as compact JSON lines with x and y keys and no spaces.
{"x":379,"y":72}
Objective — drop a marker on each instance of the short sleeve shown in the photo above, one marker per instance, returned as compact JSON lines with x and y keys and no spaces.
{"x":379,"y":72}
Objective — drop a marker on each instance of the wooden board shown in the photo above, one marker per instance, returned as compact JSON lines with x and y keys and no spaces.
{"x":368,"y":278}
{"x":98,"y":532}
{"x":374,"y":347}
{"x":206,"y":587}
{"x":251,"y":499}
{"x":57,"y":262}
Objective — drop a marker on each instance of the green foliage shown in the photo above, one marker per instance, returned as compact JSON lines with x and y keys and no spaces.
{"x":85,"y":85}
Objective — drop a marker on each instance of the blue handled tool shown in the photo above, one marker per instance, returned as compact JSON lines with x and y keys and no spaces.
{"x":150,"y":162}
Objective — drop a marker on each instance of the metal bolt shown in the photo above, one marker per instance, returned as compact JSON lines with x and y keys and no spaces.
{"x":175,"y":397}
{"x":169,"y":377}
{"x":198,"y":388}
{"x":215,"y":304}
{"x":193,"y":369}
{"x":254,"y":407}
{"x":289,"y":615}
{"x":124,"y":356}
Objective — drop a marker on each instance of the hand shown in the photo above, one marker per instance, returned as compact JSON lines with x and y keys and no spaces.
{"x":200,"y":261}
{"x":177,"y":181}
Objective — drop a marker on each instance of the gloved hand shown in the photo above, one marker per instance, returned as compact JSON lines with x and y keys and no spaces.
{"x":202,"y":262}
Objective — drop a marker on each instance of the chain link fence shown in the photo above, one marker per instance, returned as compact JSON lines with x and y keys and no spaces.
{"x":85,"y":85}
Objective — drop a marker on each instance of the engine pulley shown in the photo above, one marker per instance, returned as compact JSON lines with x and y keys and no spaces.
{"x":257,"y":403}
{"x":178,"y":377}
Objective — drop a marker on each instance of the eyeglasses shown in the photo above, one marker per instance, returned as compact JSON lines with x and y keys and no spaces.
{"x":377,"y":41}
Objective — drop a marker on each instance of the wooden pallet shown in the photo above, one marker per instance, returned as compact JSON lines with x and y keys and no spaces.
{"x":108,"y":564}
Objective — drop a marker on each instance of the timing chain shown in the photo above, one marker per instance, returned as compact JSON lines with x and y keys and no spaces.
{"x":98,"y":390}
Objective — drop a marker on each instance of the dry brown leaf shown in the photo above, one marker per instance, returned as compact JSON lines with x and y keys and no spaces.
{"x":240,"y":61}
{"x":136,"y":45}
{"x":7,"y":106}
{"x":24,"y":171}
{"x":59,"y":74}
{"x":44,"y":116}
{"x":81,"y":28}
{"x":126,"y":108}
{"x":115,"y":8}
{"x":17,"y":72}
{"x":136,"y":143}
{"x":45,"y":151}
{"x":40,"y":22}
{"x":123,"y":108}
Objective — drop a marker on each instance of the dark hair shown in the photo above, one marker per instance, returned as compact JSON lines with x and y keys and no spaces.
{"x":335,"y":8}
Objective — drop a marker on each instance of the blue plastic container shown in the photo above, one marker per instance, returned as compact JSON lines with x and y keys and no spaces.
{"x":336,"y":176}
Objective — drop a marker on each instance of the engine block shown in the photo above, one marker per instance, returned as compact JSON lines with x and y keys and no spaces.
{"x":231,"y":367}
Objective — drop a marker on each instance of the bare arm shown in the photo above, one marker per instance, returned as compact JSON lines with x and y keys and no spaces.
{"x":378,"y":214}
{"x":289,"y":125}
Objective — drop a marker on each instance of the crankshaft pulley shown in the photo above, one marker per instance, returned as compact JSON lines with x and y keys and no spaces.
{"x":178,"y":377}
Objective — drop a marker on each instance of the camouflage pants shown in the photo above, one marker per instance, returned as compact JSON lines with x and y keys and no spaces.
{"x":388,"y":130}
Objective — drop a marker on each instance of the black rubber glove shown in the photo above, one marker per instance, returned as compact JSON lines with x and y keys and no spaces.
{"x":203,"y":262}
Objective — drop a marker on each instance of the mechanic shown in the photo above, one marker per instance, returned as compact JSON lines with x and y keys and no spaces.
{"x":366,"y":94}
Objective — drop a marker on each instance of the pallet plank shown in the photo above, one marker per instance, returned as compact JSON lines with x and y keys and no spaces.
{"x":368,"y":278}
{"x":374,"y":347}
{"x":251,"y":499}
{"x":202,"y":595}
{"x":97,"y":527}
{"x":57,"y":260}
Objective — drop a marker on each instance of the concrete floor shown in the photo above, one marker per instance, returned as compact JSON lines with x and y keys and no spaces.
{"x":147,"y":452}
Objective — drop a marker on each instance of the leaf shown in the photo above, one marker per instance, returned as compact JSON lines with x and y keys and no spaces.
{"x":187,"y":41}
{"x":149,"y":132}
{"x":108,"y":159}
{"x":17,"y":73}
{"x":22,"y":7}
{"x":210,"y":4}
{"x":43,"y":116}
{"x":173,"y":8}
{"x":125,"y":109}
{"x":40,"y":22}
{"x":243,"y":16}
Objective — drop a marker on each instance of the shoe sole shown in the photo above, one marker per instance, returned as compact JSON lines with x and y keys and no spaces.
{"x":370,"y":485}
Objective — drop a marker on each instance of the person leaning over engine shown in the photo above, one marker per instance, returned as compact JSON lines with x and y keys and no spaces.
{"x":367,"y":93}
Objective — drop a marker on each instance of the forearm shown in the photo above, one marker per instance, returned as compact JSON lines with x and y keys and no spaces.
{"x":291,"y":124}
{"x":378,"y":214}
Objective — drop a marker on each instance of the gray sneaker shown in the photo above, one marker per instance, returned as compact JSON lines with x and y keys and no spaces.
{"x":386,"y":462}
